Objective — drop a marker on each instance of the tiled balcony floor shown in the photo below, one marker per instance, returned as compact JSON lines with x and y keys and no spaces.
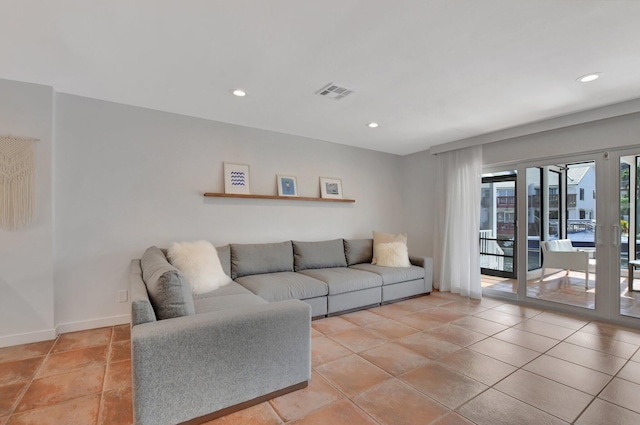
{"x":559,"y":287}
{"x":439,"y":359}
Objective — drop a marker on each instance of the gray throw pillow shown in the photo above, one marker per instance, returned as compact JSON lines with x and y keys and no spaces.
{"x":168,"y":289}
{"x":358,"y":251}
{"x":319,"y":255}
{"x":250,"y":259}
{"x":224,"y":254}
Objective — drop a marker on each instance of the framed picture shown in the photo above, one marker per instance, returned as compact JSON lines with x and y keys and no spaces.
{"x":330,"y":188}
{"x":287,"y":185}
{"x":236,"y":179}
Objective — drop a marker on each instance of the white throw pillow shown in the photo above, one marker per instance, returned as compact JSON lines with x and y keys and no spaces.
{"x":199,"y":262}
{"x":393,"y":254}
{"x":380,"y":238}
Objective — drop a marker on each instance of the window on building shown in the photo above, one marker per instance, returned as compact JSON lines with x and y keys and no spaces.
{"x":581,"y":194}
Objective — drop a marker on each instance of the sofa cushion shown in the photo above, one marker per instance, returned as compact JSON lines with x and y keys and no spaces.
{"x":358,"y":251}
{"x":199,"y":262}
{"x":284,"y":286}
{"x":233,"y":288}
{"x":224,"y":254}
{"x":250,"y":259}
{"x":342,"y":279}
{"x":380,"y":238}
{"x":318,"y":255}
{"x":227,"y":302}
{"x":564,"y":245}
{"x":169,"y":291}
{"x":391,"y":275}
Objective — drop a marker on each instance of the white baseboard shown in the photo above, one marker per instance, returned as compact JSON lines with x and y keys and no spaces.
{"x":48,"y":334}
{"x":93,"y":323}
{"x":26,"y":338}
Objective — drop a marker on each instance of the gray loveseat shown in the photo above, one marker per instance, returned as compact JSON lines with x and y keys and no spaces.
{"x":195,"y":358}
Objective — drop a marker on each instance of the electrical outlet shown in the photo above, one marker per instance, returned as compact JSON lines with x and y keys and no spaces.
{"x":123,"y":296}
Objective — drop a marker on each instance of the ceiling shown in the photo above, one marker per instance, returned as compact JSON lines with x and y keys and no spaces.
{"x":428,"y":71}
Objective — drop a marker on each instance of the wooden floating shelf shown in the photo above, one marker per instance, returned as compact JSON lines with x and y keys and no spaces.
{"x":280,"y":198}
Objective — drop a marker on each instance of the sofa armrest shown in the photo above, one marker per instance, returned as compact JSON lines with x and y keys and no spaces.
{"x":190,"y":366}
{"x":141,"y":308}
{"x":418,"y":260}
{"x":427,"y":264}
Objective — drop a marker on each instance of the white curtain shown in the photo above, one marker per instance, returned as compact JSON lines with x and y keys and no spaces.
{"x":457,"y":227}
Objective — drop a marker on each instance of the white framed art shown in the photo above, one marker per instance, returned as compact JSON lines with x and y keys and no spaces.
{"x":287,"y":185}
{"x":237,"y":179}
{"x":330,"y":188}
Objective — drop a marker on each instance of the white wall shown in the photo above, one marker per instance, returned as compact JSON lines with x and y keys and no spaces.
{"x":26,"y":254}
{"x":128,"y":178}
{"x":419,"y":183}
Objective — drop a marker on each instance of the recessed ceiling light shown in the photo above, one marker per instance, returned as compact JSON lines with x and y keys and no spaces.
{"x":372,"y":125}
{"x":589,"y":77}
{"x":239,"y":93}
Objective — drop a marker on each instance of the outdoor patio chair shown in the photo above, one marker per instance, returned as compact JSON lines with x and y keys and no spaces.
{"x":561,"y":254}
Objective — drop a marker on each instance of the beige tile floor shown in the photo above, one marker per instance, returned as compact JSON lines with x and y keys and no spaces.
{"x":439,"y":359}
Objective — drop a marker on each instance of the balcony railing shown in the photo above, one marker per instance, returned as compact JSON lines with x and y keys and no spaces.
{"x":554,"y":201}
{"x":506,"y":201}
{"x":491,"y":255}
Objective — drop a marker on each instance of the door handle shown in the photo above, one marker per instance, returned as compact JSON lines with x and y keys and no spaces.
{"x":616,"y":235}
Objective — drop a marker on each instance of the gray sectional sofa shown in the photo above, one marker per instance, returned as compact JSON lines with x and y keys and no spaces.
{"x":195,"y":358}
{"x":331,"y":276}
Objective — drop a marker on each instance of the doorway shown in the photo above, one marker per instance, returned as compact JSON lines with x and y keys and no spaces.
{"x":628,"y":256}
{"x":561,"y":226}
{"x":579,"y":221}
{"x":498,"y":242}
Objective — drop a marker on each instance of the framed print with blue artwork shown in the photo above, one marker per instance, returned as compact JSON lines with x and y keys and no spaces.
{"x":287,"y":185}
{"x":330,"y":188}
{"x":236,"y":179}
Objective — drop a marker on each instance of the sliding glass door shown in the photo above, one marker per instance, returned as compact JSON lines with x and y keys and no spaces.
{"x":561,"y":223}
{"x":580,"y":248}
{"x":627,"y":235}
{"x":498,"y":242}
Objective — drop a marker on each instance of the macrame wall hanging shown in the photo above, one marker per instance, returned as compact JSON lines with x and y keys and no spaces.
{"x":17,"y":182}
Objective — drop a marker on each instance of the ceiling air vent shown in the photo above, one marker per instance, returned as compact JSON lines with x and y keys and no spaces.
{"x":334,"y":91}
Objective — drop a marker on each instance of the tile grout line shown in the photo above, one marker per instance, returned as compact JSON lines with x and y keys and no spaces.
{"x":527,"y":403}
{"x":12,"y":411}
{"x":268,"y":402}
{"x":518,"y":368}
{"x":392,"y":377}
{"x":46,"y":357}
{"x":342,"y":394}
{"x":434,"y":361}
{"x":104,"y":378}
{"x":593,"y":397}
{"x":611,"y":380}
